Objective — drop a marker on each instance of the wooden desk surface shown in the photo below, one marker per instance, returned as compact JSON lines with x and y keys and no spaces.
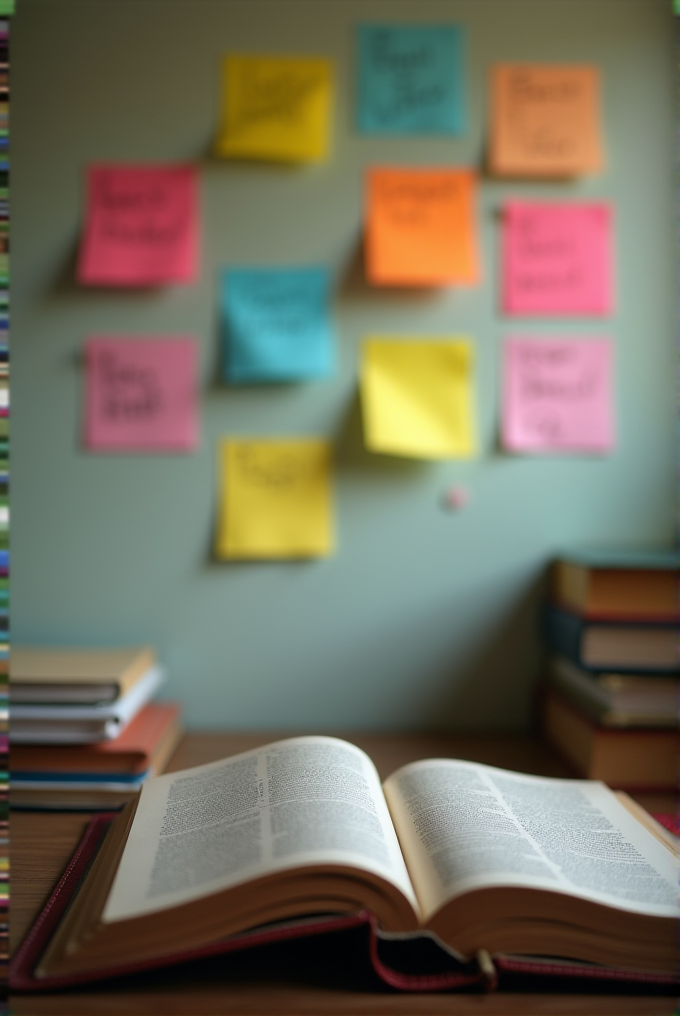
{"x":42,"y":844}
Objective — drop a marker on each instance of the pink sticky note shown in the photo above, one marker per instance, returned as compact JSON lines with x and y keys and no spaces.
{"x":141,"y":226}
{"x":140,"y":394}
{"x":556,"y":258}
{"x":557,"y":395}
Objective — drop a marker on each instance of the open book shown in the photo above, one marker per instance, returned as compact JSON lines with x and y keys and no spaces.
{"x":483,"y":858}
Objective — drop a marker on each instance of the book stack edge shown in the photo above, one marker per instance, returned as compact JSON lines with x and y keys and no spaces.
{"x":610,"y":700}
{"x":85,"y":734}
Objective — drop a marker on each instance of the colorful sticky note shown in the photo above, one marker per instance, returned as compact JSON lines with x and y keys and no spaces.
{"x":410,"y":79}
{"x":140,"y":394}
{"x":557,"y":258}
{"x":420,"y":228}
{"x":545,"y":120}
{"x":275,"y":498}
{"x":276,"y":324}
{"x":141,"y":226}
{"x":557,"y":395}
{"x":416,"y":397}
{"x":275,"y":108}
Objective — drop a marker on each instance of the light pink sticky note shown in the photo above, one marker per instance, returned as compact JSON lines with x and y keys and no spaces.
{"x":141,"y":226}
{"x":556,"y":258}
{"x":557,"y":395}
{"x":140,"y":394}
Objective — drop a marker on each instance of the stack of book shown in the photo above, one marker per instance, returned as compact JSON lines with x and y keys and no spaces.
{"x":610,"y":705}
{"x":84,"y":733}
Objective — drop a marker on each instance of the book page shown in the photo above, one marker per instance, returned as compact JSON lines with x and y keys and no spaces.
{"x":464,"y":826}
{"x":297,"y":802}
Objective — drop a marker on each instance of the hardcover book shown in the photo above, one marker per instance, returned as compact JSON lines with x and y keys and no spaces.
{"x":146,"y":744}
{"x":618,"y":700}
{"x":101,"y":776}
{"x":619,"y":585}
{"x":486,"y":861}
{"x":630,"y":759}
{"x":601,"y":645}
{"x":63,"y":723}
{"x":79,"y":676}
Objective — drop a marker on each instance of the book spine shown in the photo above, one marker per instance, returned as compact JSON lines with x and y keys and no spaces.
{"x":562,"y":632}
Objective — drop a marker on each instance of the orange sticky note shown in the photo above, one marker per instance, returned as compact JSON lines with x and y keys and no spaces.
{"x":545,"y":120}
{"x":420,"y":228}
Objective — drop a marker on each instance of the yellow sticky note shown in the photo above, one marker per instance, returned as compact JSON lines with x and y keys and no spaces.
{"x":275,"y":108}
{"x":275,"y":499}
{"x":417,"y":397}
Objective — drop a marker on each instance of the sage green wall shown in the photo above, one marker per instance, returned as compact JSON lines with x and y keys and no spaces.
{"x":422,"y":618}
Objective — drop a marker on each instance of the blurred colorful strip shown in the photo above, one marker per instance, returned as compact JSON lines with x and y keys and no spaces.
{"x":6,"y":8}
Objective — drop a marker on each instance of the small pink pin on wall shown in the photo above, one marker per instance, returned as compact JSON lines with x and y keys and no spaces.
{"x":456,"y":498}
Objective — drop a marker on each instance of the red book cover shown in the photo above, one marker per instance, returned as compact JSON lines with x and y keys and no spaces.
{"x":146,"y":741}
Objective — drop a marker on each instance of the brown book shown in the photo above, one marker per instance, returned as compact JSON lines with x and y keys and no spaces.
{"x":79,"y":676}
{"x":618,"y":700}
{"x":629,"y":759}
{"x":86,"y":799}
{"x":492,"y":862}
{"x":640,"y":586}
{"x":147,"y":742}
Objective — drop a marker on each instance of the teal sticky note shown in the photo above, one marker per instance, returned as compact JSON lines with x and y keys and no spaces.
{"x":411,"y":79}
{"x":276,"y":324}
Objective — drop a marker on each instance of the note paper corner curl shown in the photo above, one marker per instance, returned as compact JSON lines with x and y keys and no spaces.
{"x":275,"y":108}
{"x":416,"y":398}
{"x":277,"y":502}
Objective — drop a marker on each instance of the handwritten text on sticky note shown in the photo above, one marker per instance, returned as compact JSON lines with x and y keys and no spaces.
{"x":410,"y":79}
{"x":140,"y":394}
{"x":557,"y":395}
{"x":141,"y":226}
{"x":420,"y":227}
{"x":416,"y":397}
{"x":275,"y":498}
{"x":545,"y":120}
{"x":275,"y":108}
{"x":277,"y":324}
{"x":557,"y":258}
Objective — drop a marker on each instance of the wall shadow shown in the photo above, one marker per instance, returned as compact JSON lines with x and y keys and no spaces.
{"x":352,"y":455}
{"x":354,"y":284}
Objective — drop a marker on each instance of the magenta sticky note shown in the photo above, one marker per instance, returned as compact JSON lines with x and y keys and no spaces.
{"x":141,"y":226}
{"x":557,"y":258}
{"x":140,"y":394}
{"x":557,"y":395}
